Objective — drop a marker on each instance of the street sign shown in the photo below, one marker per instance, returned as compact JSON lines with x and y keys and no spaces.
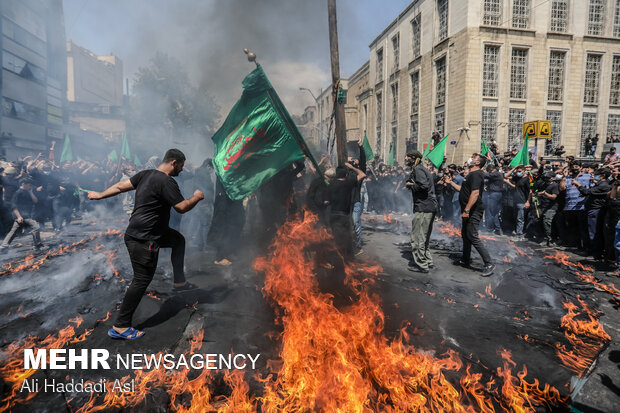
{"x":531,"y":128}
{"x":452,"y":142}
{"x":544,"y":129}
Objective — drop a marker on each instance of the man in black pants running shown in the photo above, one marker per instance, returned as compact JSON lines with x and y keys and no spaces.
{"x":470,"y":198}
{"x":148,"y":231}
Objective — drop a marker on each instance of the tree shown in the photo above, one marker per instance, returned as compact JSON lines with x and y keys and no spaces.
{"x":167,"y":110}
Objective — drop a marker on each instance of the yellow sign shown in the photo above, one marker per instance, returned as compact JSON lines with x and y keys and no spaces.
{"x":531,"y":128}
{"x":544,"y":129}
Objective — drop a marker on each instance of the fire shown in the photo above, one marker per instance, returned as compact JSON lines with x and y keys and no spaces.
{"x":338,"y":359}
{"x":586,"y":337}
{"x":12,"y":371}
{"x":451,"y":230}
{"x":388,"y":218}
{"x":489,"y":293}
{"x":564,"y":258}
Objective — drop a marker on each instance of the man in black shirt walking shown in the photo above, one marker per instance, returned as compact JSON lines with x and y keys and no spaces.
{"x":470,"y":198}
{"x":148,"y":231}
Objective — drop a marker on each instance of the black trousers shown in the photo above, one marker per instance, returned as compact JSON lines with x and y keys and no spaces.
{"x":469,"y":232}
{"x":342,"y":231}
{"x":144,"y":255}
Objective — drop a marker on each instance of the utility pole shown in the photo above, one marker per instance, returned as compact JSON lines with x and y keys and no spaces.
{"x":341,"y":138}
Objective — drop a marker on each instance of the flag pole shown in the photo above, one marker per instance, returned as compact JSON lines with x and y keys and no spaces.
{"x":341,"y":137}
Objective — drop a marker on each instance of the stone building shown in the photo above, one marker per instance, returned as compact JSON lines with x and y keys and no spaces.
{"x":33,"y":82}
{"x":478,"y":69}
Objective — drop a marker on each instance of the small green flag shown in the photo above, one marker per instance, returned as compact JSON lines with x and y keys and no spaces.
{"x":437,"y":154}
{"x":136,"y":161}
{"x":367,"y":149}
{"x":113,"y":156}
{"x":125,"y":153}
{"x":67,"y":153}
{"x":523,"y":157}
{"x":428,"y":148}
{"x":391,"y":156}
{"x":485,"y":149}
{"x":257,"y":140}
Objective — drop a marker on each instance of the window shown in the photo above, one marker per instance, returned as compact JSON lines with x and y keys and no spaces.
{"x":521,"y":14}
{"x":596,"y":17}
{"x":613,"y":125}
{"x":559,"y":16}
{"x":555,"y":116}
{"x":442,"y":12}
{"x":556,"y":76}
{"x":23,"y":37}
{"x":394,"y":140}
{"x":23,"y":68}
{"x":593,"y":78}
{"x":416,"y":24}
{"x":614,"y":92}
{"x":440,"y":121}
{"x":379,"y":65}
{"x":490,"y":71}
{"x":415,"y":92}
{"x":23,"y":111}
{"x":617,"y":20}
{"x":441,"y":81}
{"x":489,"y":122}
{"x":516,"y":117}
{"x":518,"y":74}
{"x":396,"y":50}
{"x":492,"y":13}
{"x":379,"y":121}
{"x":394,"y":101}
{"x":588,"y":127}
{"x":413,"y":131}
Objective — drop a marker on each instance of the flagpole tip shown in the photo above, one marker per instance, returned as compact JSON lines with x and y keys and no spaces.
{"x":251,"y":56}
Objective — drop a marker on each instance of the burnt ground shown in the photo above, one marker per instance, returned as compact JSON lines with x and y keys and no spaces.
{"x":450,"y":308}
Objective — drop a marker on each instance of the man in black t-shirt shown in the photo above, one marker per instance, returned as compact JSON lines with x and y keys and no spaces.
{"x":23,"y":204}
{"x":148,"y":231}
{"x":470,"y":199}
{"x":519,"y":181}
{"x":547,"y":195}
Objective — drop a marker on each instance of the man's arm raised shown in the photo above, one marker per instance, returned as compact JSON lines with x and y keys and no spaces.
{"x":117,"y":188}
{"x":187,"y":205}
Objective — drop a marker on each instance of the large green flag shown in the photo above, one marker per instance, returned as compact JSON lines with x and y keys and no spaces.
{"x":437,"y":154}
{"x":125,"y":153}
{"x":67,"y":152}
{"x":523,"y":157}
{"x":367,"y":149}
{"x":484,"y":149}
{"x":257,"y":140}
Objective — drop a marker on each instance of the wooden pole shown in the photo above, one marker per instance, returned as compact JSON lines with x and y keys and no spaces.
{"x":341,"y":139}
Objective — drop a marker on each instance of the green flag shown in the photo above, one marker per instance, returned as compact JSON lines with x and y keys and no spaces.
{"x":367,"y":149}
{"x":67,"y":153}
{"x":392,"y":153}
{"x":113,"y":156}
{"x":437,"y":154}
{"x":257,"y":140}
{"x":136,"y":161}
{"x":125,"y":153}
{"x":523,"y":157}
{"x":485,"y":149}
{"x":428,"y":148}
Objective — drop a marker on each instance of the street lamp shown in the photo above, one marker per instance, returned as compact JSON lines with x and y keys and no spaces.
{"x":318,"y":109}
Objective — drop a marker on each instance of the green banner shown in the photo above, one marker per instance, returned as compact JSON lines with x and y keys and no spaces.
{"x":67,"y":152}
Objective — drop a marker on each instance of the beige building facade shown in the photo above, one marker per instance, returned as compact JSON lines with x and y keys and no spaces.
{"x":478,"y":69}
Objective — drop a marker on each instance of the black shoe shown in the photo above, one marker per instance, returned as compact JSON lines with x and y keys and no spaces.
{"x":418,"y":269}
{"x":488,"y":270}
{"x":431,"y":266}
{"x":461,"y":263}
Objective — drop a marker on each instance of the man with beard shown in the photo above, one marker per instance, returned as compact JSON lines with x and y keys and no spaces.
{"x":148,"y":231}
{"x":470,"y":199}
{"x":422,"y":187}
